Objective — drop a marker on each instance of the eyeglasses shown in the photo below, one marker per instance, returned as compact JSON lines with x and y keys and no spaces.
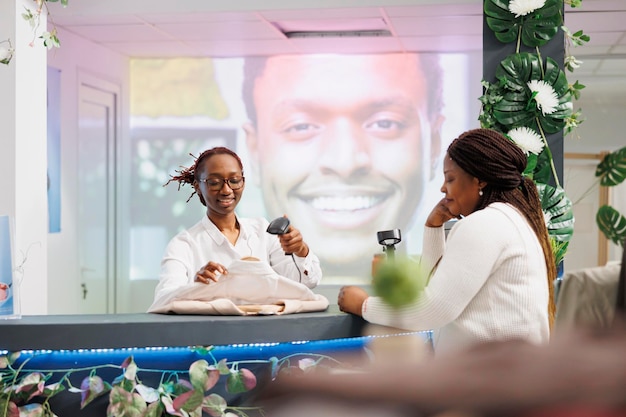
{"x":216,"y":184}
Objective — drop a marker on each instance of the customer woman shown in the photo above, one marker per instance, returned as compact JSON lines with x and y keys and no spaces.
{"x":492,"y":279}
{"x":203,"y":252}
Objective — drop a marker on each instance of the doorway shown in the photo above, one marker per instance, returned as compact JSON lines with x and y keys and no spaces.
{"x":97,"y":144}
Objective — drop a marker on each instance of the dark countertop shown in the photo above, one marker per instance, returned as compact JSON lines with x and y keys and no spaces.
{"x":104,"y":331}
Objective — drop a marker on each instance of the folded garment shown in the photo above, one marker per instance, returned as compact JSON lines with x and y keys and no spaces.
{"x":249,"y":288}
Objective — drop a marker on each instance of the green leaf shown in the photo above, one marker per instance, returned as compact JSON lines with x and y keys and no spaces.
{"x":53,"y":389}
{"x":240,"y":381}
{"x":517,"y":107}
{"x":612,"y":169}
{"x":214,"y":405}
{"x":124,"y":403}
{"x":612,"y":224}
{"x":92,"y":387}
{"x":189,"y":400}
{"x":32,"y":383}
{"x":198,"y":375}
{"x":202,"y":350}
{"x":536,"y":28}
{"x":542,"y":171}
{"x":559,"y":249}
{"x":557,"y":209}
{"x":8,"y":359}
{"x":9,"y":406}
{"x":222,"y":367}
{"x":154,"y":410}
{"x":531,"y":164}
{"x":149,"y":394}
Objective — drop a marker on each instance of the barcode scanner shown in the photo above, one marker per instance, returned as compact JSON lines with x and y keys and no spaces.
{"x":279,"y":226}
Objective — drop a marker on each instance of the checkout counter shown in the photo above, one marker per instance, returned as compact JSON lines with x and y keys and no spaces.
{"x":161,"y":343}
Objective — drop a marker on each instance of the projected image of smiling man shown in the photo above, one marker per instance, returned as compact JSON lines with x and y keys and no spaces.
{"x":343,"y":144}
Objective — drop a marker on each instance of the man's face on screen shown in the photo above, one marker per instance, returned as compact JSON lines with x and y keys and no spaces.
{"x":342,"y":145}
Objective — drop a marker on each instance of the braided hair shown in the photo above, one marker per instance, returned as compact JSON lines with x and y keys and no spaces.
{"x":188,"y":175}
{"x":491,"y":157}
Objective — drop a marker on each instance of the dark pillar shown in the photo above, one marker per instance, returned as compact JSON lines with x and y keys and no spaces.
{"x":495,"y":51}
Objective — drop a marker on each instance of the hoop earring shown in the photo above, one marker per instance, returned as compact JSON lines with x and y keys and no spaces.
{"x":480,"y":193}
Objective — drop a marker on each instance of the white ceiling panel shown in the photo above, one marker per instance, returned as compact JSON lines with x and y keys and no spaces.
{"x":331,"y":13}
{"x":120,"y":33}
{"x":444,"y":43}
{"x":201,"y":17}
{"x":475,"y":9}
{"x":438,"y":25}
{"x":242,"y":48}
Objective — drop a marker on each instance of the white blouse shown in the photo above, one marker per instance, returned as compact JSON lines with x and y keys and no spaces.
{"x":193,"y":248}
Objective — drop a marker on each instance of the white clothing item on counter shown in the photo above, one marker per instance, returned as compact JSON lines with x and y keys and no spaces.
{"x":250,"y":287}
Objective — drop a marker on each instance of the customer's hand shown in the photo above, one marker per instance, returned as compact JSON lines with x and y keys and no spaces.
{"x":439,"y":215}
{"x":351,"y":299}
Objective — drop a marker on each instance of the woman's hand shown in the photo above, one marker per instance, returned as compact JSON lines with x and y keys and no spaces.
{"x":351,"y":299}
{"x":439,"y":215}
{"x":209,"y":272}
{"x":292,"y":242}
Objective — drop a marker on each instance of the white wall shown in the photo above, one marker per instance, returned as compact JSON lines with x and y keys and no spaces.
{"x":603,"y":105}
{"x":23,"y":153}
{"x":76,"y":56}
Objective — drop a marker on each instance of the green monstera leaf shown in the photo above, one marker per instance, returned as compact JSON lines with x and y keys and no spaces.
{"x":612,"y":169}
{"x":557,"y":209}
{"x":612,"y":224}
{"x":517,"y":106}
{"x":542,"y":171}
{"x":535,"y":29}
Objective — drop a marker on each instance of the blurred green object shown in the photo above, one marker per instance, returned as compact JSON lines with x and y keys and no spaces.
{"x":399,"y":281}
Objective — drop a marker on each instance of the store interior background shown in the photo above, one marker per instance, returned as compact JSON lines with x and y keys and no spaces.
{"x":99,"y":39}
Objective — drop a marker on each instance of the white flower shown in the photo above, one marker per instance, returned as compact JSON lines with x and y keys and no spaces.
{"x":527,"y":139}
{"x":571,"y":63}
{"x":50,"y":40}
{"x":5,"y":54}
{"x":523,"y":7}
{"x":546,"y":97}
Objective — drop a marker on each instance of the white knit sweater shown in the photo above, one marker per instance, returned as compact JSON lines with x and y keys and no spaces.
{"x":491,"y":284}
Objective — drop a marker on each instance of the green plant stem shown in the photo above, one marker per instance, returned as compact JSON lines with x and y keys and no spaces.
{"x":543,"y":72}
{"x":519,"y":38}
{"x":72,"y":370}
{"x":587,"y":191}
{"x":549,"y":152}
{"x":13,"y":382}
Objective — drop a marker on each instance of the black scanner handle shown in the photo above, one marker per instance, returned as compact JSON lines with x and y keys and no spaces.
{"x":279,"y":226}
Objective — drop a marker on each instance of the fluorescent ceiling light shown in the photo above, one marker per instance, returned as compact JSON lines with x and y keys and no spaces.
{"x":327,"y":28}
{"x":338,"y":34}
